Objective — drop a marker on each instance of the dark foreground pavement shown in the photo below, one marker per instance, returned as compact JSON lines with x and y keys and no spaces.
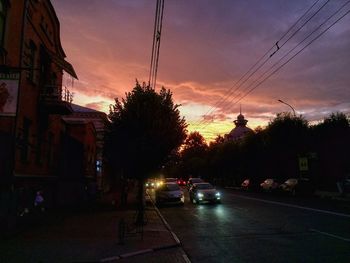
{"x":93,"y":235}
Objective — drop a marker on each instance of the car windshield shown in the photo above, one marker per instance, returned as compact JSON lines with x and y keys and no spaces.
{"x":169,"y":180}
{"x":204,"y":186}
{"x":170,"y":187}
{"x":196,"y":180}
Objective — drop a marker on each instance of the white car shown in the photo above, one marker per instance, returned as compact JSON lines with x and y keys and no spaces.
{"x":269,"y":185}
{"x":169,"y":193}
{"x":289,"y":186}
{"x":204,"y":192}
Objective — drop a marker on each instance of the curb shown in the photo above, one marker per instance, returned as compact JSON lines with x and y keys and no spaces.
{"x":177,"y":240}
{"x":332,"y":196}
{"x":154,"y":249}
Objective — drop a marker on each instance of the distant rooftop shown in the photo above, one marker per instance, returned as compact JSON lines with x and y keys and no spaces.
{"x":78,"y":108}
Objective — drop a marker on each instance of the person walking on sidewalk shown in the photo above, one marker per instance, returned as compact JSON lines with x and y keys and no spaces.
{"x":39,"y":201}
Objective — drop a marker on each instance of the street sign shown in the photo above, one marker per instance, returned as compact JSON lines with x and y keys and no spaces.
{"x":303,"y":164}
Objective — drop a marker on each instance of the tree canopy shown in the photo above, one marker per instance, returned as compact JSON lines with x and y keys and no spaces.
{"x":273,"y":152}
{"x":145,"y":128}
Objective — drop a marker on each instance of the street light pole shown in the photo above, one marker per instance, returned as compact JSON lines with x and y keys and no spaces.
{"x":288,"y":105}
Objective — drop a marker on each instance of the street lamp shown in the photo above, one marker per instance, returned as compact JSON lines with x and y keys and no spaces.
{"x":288,"y":105}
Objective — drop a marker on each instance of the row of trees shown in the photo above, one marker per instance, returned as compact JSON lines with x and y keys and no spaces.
{"x":273,"y":152}
{"x":146,"y":132}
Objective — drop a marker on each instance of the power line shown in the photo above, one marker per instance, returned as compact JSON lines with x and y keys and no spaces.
{"x":277,"y":69}
{"x":238,"y":84}
{"x":157,"y":31}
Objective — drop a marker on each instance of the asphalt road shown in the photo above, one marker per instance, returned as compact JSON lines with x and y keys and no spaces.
{"x":249,"y":227}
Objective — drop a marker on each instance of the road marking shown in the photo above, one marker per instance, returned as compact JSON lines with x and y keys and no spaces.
{"x":294,"y":206}
{"x":177,"y":240}
{"x":110,"y":259}
{"x":187,"y":260}
{"x":331,"y":235}
{"x":140,"y":252}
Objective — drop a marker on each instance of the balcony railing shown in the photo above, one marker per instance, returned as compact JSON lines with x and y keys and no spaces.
{"x":56,"y":99}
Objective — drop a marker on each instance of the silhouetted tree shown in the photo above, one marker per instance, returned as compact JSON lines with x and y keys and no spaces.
{"x":331,"y":143}
{"x":218,"y":140}
{"x":193,"y":154}
{"x":286,"y":139}
{"x":194,"y":142}
{"x":145,"y":128}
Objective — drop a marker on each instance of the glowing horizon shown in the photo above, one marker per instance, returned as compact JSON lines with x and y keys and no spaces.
{"x":204,"y":52}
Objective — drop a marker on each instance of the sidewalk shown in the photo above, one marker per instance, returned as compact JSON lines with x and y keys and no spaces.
{"x":333,"y":195}
{"x":92,"y":235}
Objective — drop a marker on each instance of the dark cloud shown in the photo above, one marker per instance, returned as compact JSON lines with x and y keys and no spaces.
{"x":207,"y":46}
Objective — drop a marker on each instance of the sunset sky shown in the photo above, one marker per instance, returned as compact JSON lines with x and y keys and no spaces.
{"x":206,"y":47}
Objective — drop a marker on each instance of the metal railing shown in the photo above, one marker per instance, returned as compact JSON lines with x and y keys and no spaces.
{"x":56,"y":93}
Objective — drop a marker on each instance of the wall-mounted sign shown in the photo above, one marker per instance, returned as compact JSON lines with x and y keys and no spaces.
{"x":303,"y":164}
{"x":8,"y":93}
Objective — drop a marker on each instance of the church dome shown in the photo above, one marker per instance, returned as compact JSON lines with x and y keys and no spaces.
{"x":240,"y":130}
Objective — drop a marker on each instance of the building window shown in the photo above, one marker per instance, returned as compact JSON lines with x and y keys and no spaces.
{"x":38,"y":158}
{"x":2,"y":21}
{"x":31,"y":57}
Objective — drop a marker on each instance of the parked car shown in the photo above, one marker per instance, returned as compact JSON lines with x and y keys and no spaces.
{"x":193,"y":180}
{"x":250,"y":185}
{"x":169,"y":193}
{"x":204,"y":192}
{"x":289,"y":186}
{"x":300,"y":186}
{"x":269,"y":185}
{"x":181,"y":182}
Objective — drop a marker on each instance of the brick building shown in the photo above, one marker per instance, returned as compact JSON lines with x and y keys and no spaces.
{"x":100,"y":121}
{"x":36,"y":143}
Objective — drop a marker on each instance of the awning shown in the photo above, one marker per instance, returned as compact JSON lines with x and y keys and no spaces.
{"x":66,"y":66}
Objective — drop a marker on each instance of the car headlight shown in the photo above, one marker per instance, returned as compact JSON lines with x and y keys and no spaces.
{"x":217,"y":194}
{"x":146,"y":184}
{"x":200,"y":195}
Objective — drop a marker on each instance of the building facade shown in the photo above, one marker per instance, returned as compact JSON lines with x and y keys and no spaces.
{"x":33,"y":135}
{"x":100,"y":121}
